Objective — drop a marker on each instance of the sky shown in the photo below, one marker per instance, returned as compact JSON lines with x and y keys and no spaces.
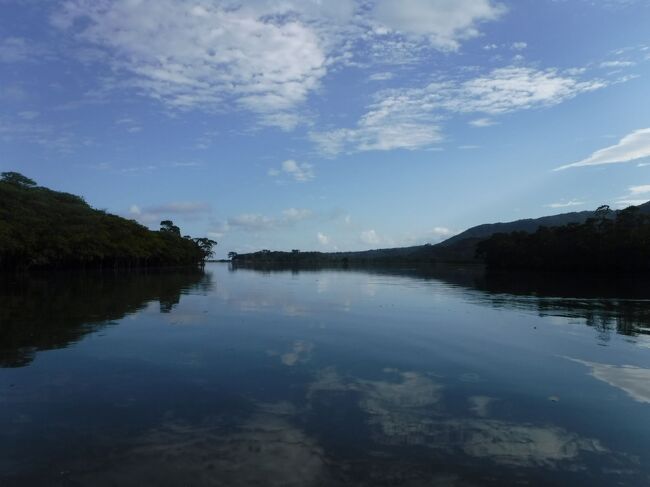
{"x":329,"y":124}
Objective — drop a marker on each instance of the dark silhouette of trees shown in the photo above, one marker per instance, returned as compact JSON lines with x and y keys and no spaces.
{"x":608,"y":242}
{"x":169,"y":227}
{"x":205,"y":245}
{"x":44,"y":228}
{"x":17,"y":179}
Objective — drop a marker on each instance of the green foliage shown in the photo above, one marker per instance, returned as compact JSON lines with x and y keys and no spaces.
{"x":44,"y":228}
{"x":169,"y":227}
{"x":17,"y":179}
{"x":205,"y":245}
{"x":601,"y":243}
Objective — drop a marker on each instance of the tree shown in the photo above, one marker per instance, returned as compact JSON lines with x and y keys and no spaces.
{"x":17,"y":179}
{"x":205,"y":246}
{"x":168,"y":226}
{"x":232,"y":255}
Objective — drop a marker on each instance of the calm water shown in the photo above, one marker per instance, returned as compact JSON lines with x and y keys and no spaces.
{"x":337,"y":377}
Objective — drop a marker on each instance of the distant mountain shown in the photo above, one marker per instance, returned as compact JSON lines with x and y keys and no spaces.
{"x":460,"y":248}
{"x":529,"y":225}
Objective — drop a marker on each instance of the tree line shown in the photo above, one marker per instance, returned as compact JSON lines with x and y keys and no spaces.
{"x":610,"y":241}
{"x":40,"y":227}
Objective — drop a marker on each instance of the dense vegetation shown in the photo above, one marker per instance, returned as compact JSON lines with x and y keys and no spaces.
{"x":602,"y":241}
{"x":463,"y":251}
{"x":606,"y":242}
{"x":44,"y":228}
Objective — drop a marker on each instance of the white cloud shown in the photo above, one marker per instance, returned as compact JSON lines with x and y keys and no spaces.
{"x":565,"y":204}
{"x":251,"y":221}
{"x":256,"y":222}
{"x":442,"y":233}
{"x":27,"y":128}
{"x":16,"y":49}
{"x":381,"y":76}
{"x":301,"y":172}
{"x":624,"y":203}
{"x":323,"y":239}
{"x":370,"y":237}
{"x":129,"y":124}
{"x":630,"y":148}
{"x":296,"y":214}
{"x":616,"y":64}
{"x":444,"y":23}
{"x":29,"y":114}
{"x":482,"y":122}
{"x":515,"y":88}
{"x":519,"y":46}
{"x":643,"y":189}
{"x":634,"y":196}
{"x":207,"y":55}
{"x":634,"y":381}
{"x":186,"y":210}
{"x":409,"y":118}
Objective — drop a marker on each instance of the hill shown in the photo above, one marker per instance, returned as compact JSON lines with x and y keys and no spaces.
{"x":601,"y":243}
{"x":40,"y":227}
{"x":460,"y":248}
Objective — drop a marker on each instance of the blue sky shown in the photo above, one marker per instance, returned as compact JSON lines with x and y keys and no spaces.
{"x":325,"y":125}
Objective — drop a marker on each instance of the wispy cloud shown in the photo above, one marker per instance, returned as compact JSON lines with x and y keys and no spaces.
{"x":643,"y":189}
{"x":263,"y":56}
{"x":323,"y":239}
{"x":300,"y":172}
{"x":565,"y":204}
{"x":204,"y":55}
{"x":381,"y":76}
{"x":374,"y":239}
{"x":636,"y":195}
{"x":27,"y":128}
{"x":630,"y":148}
{"x":255,"y":222}
{"x":410,"y":118}
{"x":186,"y":210}
{"x":616,"y":64}
{"x":370,"y":237}
{"x":443,"y":23}
{"x":129,"y":124}
{"x":19,"y":49}
{"x":482,"y":122}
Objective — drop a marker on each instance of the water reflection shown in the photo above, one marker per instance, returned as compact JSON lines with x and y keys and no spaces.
{"x":265,"y":450}
{"x":634,"y":381}
{"x":367,"y":378}
{"x":44,"y":312}
{"x":409,"y":410}
{"x":609,"y":304}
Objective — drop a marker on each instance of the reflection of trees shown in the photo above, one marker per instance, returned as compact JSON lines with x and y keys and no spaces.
{"x":54,"y":310}
{"x":608,"y":303}
{"x":604,"y":302}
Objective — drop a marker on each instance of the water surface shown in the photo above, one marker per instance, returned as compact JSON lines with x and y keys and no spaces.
{"x":437,"y":377}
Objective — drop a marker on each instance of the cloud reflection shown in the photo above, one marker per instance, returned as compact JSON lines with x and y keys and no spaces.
{"x":266,"y":450}
{"x":634,"y":381}
{"x":408,"y":409}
